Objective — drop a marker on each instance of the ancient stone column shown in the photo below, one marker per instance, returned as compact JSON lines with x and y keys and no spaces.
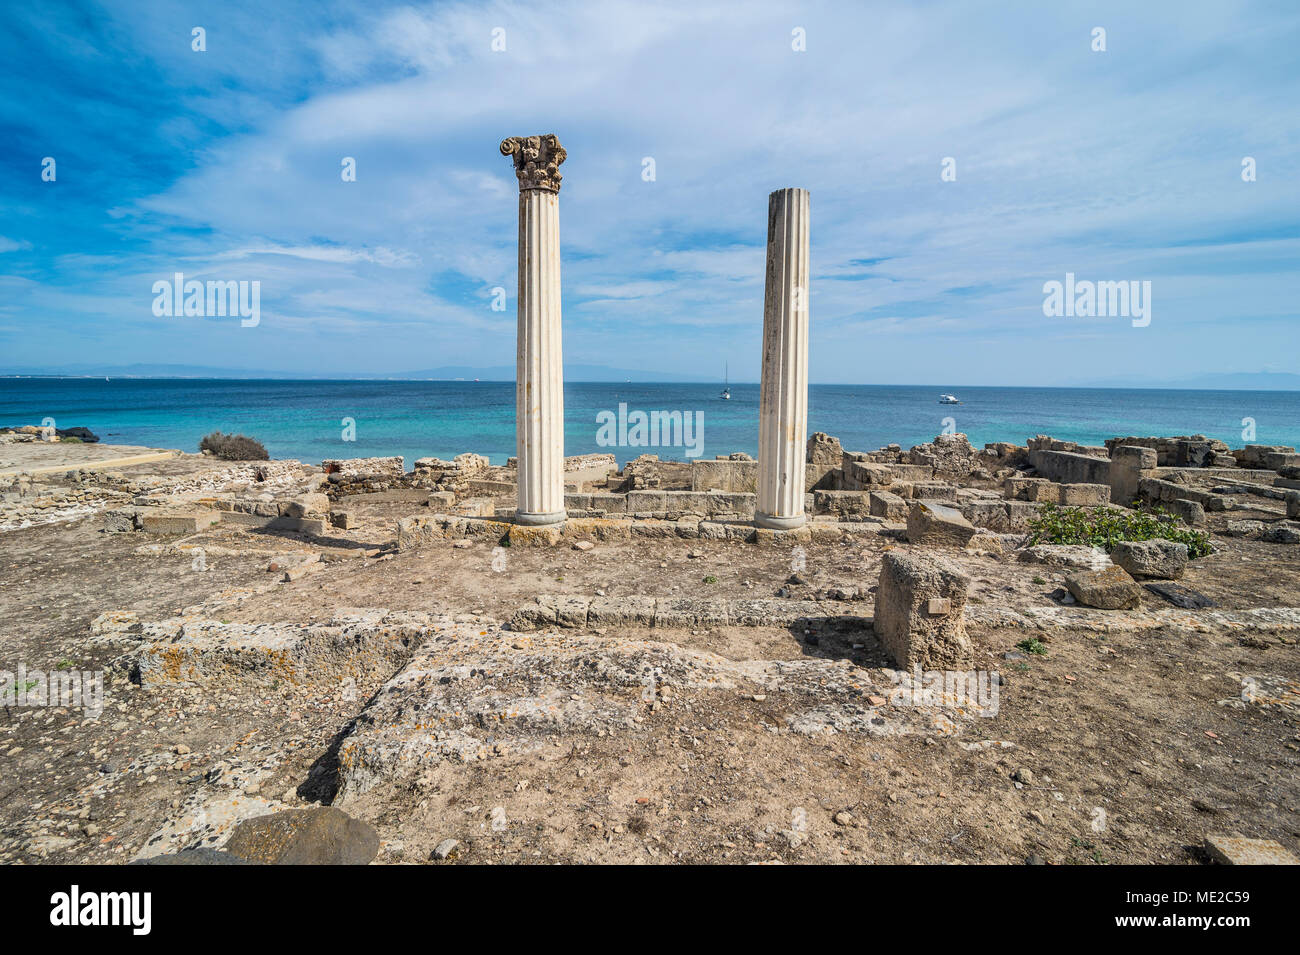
{"x":539,"y":371}
{"x":783,"y":397}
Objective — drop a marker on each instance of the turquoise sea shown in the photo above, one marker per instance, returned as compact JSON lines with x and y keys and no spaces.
{"x":305,"y":419}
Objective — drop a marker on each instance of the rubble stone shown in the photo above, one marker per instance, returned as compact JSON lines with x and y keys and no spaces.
{"x":1151,"y":558}
{"x":1108,"y":589}
{"x":919,"y":612}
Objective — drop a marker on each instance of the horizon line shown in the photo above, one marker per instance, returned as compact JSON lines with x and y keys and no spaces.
{"x":855,"y":384}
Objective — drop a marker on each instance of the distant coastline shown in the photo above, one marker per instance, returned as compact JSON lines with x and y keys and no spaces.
{"x":1279,"y":381}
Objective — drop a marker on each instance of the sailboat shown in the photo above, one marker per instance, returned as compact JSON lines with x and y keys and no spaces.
{"x":726,"y":388}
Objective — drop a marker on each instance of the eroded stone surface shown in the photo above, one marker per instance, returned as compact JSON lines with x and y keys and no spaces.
{"x":919,"y":612}
{"x":472,"y":694}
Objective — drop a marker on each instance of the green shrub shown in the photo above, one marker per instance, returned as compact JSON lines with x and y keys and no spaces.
{"x":1105,"y":527}
{"x":234,"y":447}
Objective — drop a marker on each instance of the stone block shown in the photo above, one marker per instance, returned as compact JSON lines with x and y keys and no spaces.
{"x":1191,"y":453}
{"x":1069,"y":467}
{"x":889,"y":506}
{"x":1065,"y":555}
{"x":822,"y":477}
{"x":684,"y":612}
{"x":1238,"y":850}
{"x":322,"y":835}
{"x":934,"y":491}
{"x":1244,"y":528}
{"x":1277,"y":460}
{"x":1109,"y":589}
{"x":1019,"y":514}
{"x":311,"y":526}
{"x":781,"y":538}
{"x":740,"y":476}
{"x":188,"y":522}
{"x":822,"y":448}
{"x":654,"y":529}
{"x":597,"y":528}
{"x":570,"y":611}
{"x":1084,"y":495}
{"x":1190,"y":512}
{"x":938,"y":526}
{"x":305,"y":505}
{"x":912,"y":586}
{"x":621,"y":612}
{"x":863,"y":475}
{"x":991,"y":514}
{"x":1293,"y":505}
{"x":417,"y":531}
{"x":1158,"y":558}
{"x":843,"y":504}
{"x":1282,"y":532}
{"x":521,"y":535}
{"x":1028,"y":489}
{"x":1129,"y":464}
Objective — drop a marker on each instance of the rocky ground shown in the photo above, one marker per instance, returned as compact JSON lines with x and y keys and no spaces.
{"x":397,"y":694}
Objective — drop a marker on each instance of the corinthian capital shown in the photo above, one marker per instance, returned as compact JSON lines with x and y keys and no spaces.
{"x":537,"y":160}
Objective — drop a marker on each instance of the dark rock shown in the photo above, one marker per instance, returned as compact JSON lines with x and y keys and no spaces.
{"x":85,"y":434}
{"x":1282,"y":533}
{"x":1180,"y":596}
{"x":1193,"y":454}
{"x":319,"y":836}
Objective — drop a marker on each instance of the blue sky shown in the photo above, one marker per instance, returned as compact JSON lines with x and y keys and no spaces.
{"x":225,"y":164}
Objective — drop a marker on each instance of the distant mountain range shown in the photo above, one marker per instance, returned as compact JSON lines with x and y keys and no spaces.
{"x":1229,"y":381}
{"x":576,"y":372}
{"x":1234,"y":381}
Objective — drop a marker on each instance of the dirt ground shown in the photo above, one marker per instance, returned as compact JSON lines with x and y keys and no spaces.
{"x":1121,"y":747}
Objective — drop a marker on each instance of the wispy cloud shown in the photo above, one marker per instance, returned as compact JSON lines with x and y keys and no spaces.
{"x":227,"y":163}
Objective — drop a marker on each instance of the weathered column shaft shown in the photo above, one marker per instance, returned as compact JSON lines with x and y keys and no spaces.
{"x":783,"y":398}
{"x":539,"y":367}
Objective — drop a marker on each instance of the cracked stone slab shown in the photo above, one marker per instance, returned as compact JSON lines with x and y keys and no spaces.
{"x":201,"y":650}
{"x":469,"y":695}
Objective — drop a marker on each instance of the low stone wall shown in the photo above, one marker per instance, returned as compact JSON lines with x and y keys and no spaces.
{"x":45,"y":505}
{"x":1156,"y":490}
{"x":1068,"y":467}
{"x":725,"y":475}
{"x":576,"y":612}
{"x":415,"y":532}
{"x":1259,"y":455}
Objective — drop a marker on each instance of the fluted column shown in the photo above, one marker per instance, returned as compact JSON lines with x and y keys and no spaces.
{"x":539,"y":369}
{"x":783,"y":398}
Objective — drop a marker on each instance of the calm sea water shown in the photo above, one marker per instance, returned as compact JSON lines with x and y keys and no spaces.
{"x":305,"y":419}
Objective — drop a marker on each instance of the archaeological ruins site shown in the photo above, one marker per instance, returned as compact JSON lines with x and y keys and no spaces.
{"x":824,"y":654}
